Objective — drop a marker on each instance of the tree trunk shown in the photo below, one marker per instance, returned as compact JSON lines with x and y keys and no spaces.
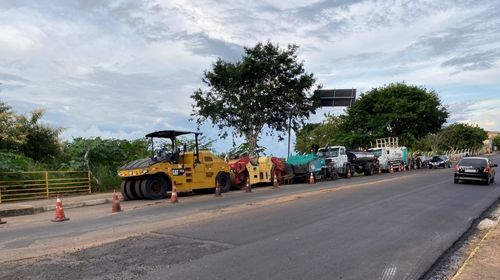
{"x":252,"y":144}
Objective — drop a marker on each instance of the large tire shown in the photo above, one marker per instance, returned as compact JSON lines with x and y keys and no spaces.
{"x":154,"y":187}
{"x":129,"y":189}
{"x":456,"y":181}
{"x":368,"y":170}
{"x":138,"y":190}
{"x":123,"y":190}
{"x":224,"y":181}
{"x":488,"y":181}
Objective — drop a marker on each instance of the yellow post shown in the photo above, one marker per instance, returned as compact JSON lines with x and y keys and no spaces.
{"x":90,"y":182}
{"x":47,"y":183}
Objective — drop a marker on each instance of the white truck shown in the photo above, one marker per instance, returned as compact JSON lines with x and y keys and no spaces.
{"x":389,"y":153}
{"x":345,"y":163}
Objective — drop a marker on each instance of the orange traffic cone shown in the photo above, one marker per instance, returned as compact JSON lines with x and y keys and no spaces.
{"x":248,"y":187}
{"x":311,"y":179}
{"x":391,"y":169}
{"x":173,"y":196}
{"x":59,"y":213}
{"x":217,"y":190}
{"x":276,"y":185}
{"x":115,"y":203}
{"x":349,"y":174}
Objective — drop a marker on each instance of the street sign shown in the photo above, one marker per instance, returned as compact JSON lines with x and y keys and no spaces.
{"x":336,"y":97}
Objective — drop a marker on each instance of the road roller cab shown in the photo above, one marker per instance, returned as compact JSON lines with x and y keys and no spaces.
{"x":153,"y":177}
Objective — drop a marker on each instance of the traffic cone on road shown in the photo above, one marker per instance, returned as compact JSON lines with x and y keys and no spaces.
{"x":59,"y":213}
{"x":217,"y":190}
{"x":349,"y":174}
{"x":248,"y":186}
{"x":391,"y":169}
{"x":115,"y":203}
{"x":276,"y":185}
{"x":173,"y":196}
{"x":311,"y":179}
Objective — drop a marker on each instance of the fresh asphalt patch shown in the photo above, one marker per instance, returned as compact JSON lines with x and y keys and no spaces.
{"x":129,"y":258}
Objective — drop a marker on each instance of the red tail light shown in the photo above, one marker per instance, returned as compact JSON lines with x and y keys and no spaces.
{"x":487,"y":169}
{"x":457,"y":168}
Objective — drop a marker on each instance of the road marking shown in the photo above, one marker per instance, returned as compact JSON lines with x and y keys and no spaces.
{"x":389,"y":272}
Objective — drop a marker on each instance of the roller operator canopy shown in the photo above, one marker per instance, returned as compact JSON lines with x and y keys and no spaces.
{"x":172,"y":134}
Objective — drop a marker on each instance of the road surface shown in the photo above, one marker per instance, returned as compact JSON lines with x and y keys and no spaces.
{"x":378,"y":227}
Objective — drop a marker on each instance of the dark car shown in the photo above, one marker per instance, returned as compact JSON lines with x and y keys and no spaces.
{"x":439,"y":161}
{"x":475,"y":169}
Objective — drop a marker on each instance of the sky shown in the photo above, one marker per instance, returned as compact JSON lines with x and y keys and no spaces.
{"x":121,"y":69}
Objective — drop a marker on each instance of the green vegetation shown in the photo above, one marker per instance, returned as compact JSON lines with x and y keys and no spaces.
{"x":496,"y":142}
{"x":268,"y":87}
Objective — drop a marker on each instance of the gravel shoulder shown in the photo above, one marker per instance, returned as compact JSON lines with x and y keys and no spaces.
{"x":484,"y":260}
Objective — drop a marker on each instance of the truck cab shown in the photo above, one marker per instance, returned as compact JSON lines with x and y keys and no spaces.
{"x":335,"y":157}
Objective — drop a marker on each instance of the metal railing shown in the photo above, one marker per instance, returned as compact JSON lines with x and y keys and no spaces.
{"x":18,"y":186}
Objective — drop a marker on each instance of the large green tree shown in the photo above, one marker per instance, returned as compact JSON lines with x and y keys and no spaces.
{"x":496,"y":142}
{"x":266,"y":88}
{"x":462,"y":136}
{"x":396,"y":110}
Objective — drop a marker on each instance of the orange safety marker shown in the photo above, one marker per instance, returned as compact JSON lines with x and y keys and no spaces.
{"x":115,"y":203}
{"x":311,"y":179}
{"x":59,"y":213}
{"x":173,"y":196}
{"x":391,"y":169}
{"x":217,"y":190}
{"x":276,"y":184}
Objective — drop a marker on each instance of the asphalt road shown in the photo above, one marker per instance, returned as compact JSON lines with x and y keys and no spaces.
{"x":378,"y":227}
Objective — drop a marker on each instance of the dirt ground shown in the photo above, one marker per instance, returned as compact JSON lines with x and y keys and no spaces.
{"x":484,"y":263}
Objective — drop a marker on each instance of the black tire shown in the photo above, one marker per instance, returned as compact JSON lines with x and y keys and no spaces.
{"x":488,"y":181}
{"x":493,"y":179}
{"x":348,"y":172}
{"x":368,"y":170}
{"x":154,"y":187}
{"x":224,"y":181}
{"x":138,"y":190}
{"x":129,"y":189}
{"x":456,"y":181}
{"x":123,"y":191}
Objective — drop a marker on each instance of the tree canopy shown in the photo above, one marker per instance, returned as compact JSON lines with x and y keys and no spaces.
{"x":321,"y":134}
{"x":266,"y":88}
{"x":396,"y":110}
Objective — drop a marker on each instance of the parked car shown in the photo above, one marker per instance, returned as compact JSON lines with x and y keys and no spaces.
{"x":475,"y":169}
{"x":439,"y":161}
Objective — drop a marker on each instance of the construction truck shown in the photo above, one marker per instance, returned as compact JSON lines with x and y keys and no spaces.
{"x":346,"y":163}
{"x":313,"y":163}
{"x":261,"y":170}
{"x":389,"y":153}
{"x":153,"y":177}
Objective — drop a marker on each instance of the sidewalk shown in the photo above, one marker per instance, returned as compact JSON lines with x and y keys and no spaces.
{"x":31,"y":207}
{"x":484,"y":262}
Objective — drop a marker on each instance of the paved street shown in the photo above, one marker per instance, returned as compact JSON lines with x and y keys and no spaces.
{"x":379,"y":227}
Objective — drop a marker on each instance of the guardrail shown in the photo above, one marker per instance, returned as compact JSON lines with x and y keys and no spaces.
{"x":18,"y":186}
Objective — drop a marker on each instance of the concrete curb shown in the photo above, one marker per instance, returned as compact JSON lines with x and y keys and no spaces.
{"x":31,"y":210}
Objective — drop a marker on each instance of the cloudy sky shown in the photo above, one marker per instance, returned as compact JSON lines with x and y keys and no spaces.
{"x":124,"y":68}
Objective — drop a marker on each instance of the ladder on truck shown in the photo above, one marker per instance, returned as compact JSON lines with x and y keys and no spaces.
{"x":388,"y":142}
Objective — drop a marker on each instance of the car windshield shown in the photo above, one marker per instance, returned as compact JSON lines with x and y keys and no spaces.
{"x":474,"y":162}
{"x":328,"y":152}
{"x":377,"y":153}
{"x":436,"y":159}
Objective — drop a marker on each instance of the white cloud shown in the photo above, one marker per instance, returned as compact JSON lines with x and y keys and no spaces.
{"x":123,"y":68}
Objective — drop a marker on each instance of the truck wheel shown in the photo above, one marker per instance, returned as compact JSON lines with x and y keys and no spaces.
{"x":123,"y":191}
{"x":137,"y":188}
{"x":224,"y":181}
{"x":368,"y":170}
{"x":154,"y":187}
{"x":348,"y":174}
{"x":129,"y":189}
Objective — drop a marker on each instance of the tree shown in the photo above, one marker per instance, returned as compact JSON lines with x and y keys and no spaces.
{"x":496,"y":142}
{"x":12,"y":133}
{"x":462,"y":136}
{"x":266,"y":88}
{"x":397,"y":110}
{"x":322,"y":134}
